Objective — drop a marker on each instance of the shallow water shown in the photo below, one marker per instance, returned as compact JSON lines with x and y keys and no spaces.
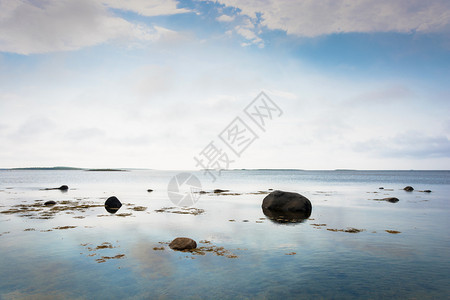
{"x":40,"y":261}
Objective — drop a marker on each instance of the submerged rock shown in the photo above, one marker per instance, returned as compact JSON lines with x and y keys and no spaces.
{"x":61,"y":188}
{"x":217,"y":191}
{"x":408,"y":188}
{"x":112,"y":204}
{"x":426,"y":191}
{"x":391,"y":199}
{"x":183,"y":243}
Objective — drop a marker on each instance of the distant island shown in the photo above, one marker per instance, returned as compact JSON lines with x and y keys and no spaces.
{"x":46,"y":168}
{"x":65,"y":169}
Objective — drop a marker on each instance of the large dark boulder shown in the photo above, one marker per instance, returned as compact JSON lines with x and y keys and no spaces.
{"x":286,"y":207}
{"x":408,"y":188}
{"x":49,"y":203}
{"x":286,"y":202}
{"x":183,"y":243}
{"x":112,"y":204}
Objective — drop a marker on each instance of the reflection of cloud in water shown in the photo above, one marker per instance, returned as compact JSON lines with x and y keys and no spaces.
{"x":43,"y":295}
{"x":380,"y":249}
{"x":152,"y":263}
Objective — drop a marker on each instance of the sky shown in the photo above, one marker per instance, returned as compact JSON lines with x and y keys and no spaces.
{"x":153,"y":84}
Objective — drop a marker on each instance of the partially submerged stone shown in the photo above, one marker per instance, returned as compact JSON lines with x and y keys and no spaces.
{"x":408,"y":188}
{"x":112,"y":204}
{"x":183,"y":243}
{"x":286,"y":207}
{"x":287,"y":202}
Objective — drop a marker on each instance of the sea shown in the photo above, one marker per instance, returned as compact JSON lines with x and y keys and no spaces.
{"x":354,"y":245}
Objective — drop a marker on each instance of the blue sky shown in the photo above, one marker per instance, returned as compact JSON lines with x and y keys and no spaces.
{"x":149,"y":84}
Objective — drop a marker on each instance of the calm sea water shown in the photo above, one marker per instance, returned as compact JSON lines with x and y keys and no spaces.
{"x":58,"y":257}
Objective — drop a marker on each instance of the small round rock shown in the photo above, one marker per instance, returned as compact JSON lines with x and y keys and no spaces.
{"x":183,"y":243}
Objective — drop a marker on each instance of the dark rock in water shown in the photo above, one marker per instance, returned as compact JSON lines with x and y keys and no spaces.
{"x":112,"y":204}
{"x":149,"y":190}
{"x":408,"y":188}
{"x":62,"y":188}
{"x":286,"y":207}
{"x":217,"y":191}
{"x":391,"y":199}
{"x":287,"y":201}
{"x":50,"y":203}
{"x":427,"y":191}
{"x":381,"y":188}
{"x":183,"y":243}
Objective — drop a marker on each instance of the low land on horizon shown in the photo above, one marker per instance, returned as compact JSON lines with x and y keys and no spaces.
{"x":63,"y":168}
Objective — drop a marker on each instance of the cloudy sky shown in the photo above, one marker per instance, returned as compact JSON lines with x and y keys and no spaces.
{"x":150,"y":84}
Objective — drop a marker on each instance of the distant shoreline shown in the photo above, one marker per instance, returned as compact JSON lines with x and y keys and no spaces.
{"x":61,"y":168}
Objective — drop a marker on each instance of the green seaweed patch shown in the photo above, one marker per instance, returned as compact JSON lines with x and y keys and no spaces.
{"x":38,"y":210}
{"x":139,"y":208}
{"x":349,"y":230}
{"x":105,"y":258}
{"x":182,"y":211}
{"x":105,"y":245}
{"x":259,"y":193}
{"x":218,"y":251}
{"x":102,"y":247}
{"x":123,"y":215}
{"x":203,"y":250}
{"x":64,"y":227}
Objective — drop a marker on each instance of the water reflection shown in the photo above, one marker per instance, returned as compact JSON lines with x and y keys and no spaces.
{"x":286,"y":217}
{"x":111,"y":210}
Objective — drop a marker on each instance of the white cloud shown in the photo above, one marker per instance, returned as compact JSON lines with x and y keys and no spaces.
{"x":225,"y":18}
{"x":407,"y":144}
{"x":145,"y":7}
{"x":320,"y":17}
{"x":64,"y":25}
